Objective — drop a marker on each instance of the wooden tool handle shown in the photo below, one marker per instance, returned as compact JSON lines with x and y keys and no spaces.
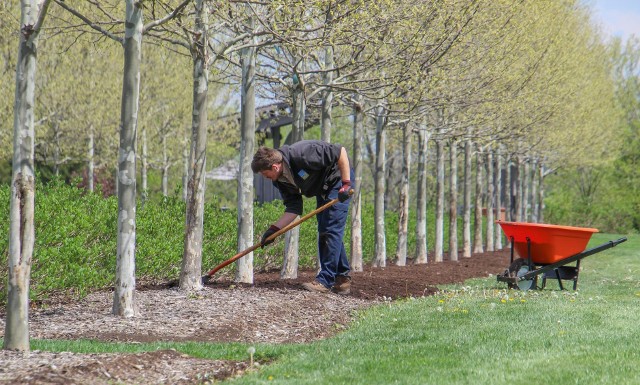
{"x":275,"y":235}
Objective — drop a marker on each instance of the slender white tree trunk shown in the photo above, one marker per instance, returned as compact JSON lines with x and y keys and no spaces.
{"x":191,"y":270}
{"x":518,"y":191}
{"x":421,"y":211}
{"x":466,"y":220}
{"x":541,"y":193}
{"x":185,"y":165}
{"x":124,"y":292}
{"x":533,"y":196}
{"x":453,"y":201}
{"x":356,"y":200}
{"x":291,"y":239}
{"x":510,"y":184}
{"x":291,"y":244}
{"x":477,"y":218}
{"x":23,"y":183}
{"x":526,"y":183}
{"x":490,"y":200}
{"x":403,"y":220}
{"x":145,"y":162}
{"x":244,"y":270}
{"x":439,"y":241}
{"x":91,"y":156}
{"x":165,"y":165}
{"x":327,"y":95}
{"x":380,"y":248}
{"x":498,"y":193}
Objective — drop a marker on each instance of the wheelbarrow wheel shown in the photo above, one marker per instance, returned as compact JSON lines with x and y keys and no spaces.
{"x":518,"y":268}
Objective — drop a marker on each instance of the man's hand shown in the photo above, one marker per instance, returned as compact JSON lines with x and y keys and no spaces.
{"x":343,"y":193}
{"x":270,"y":231}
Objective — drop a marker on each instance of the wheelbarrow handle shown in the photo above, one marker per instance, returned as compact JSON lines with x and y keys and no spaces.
{"x":272,"y":237}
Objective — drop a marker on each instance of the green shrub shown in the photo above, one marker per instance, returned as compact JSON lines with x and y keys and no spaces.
{"x":75,"y":248}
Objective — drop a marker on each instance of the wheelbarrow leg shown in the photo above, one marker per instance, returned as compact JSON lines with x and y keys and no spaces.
{"x":575,"y":280}
{"x":559,"y":280}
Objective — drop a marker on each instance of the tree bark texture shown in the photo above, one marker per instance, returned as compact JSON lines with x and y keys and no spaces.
{"x":518,"y":183}
{"x":144,"y":159}
{"x":190,"y":274}
{"x":291,"y":243}
{"x":403,"y":209}
{"x":356,"y":200}
{"x":124,"y":291}
{"x":534,"y":191}
{"x":291,"y":256}
{"x":421,"y":198}
{"x":478,"y":247}
{"x":526,"y":183}
{"x":22,"y":203}
{"x":490,"y":200}
{"x":498,"y":193}
{"x":91,"y":159}
{"x":439,"y":241}
{"x":380,"y":248}
{"x":541,"y":193}
{"x":244,"y":266}
{"x":466,"y":216}
{"x":327,"y":94}
{"x":453,"y":201}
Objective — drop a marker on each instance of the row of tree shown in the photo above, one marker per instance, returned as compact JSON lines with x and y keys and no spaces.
{"x":521,"y":87}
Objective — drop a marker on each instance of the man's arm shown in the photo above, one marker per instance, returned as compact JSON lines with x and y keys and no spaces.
{"x":285,"y":219}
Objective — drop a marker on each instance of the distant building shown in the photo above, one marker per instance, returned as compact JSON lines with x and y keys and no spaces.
{"x":270,"y":119}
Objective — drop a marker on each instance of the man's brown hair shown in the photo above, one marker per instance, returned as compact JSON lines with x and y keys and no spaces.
{"x":264,"y":158}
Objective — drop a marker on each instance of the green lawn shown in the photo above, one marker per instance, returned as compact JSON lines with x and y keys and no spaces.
{"x":478,"y":333}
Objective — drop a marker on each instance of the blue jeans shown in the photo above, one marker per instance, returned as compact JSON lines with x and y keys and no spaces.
{"x":331,"y":224}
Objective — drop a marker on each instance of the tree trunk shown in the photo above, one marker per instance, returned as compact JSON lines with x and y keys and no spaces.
{"x":356,"y":200}
{"x":421,"y":211}
{"x":190,"y":274}
{"x":511,"y":189}
{"x":380,"y":248}
{"x":518,"y":189}
{"x":244,"y":266}
{"x":541,"y":193}
{"x":166,"y":164}
{"x":291,"y":243}
{"x":327,"y":95}
{"x":23,"y":183}
{"x":526,"y":182}
{"x":56,"y":147}
{"x":477,"y":218}
{"x":91,"y":156}
{"x":439,"y":246}
{"x":291,"y":239}
{"x":403,"y":220}
{"x":124,"y":293}
{"x":453,"y":201}
{"x":490,"y":200}
{"x":466,"y":219}
{"x":534,"y":191}
{"x":185,"y":165}
{"x":498,"y":193}
{"x":145,"y":162}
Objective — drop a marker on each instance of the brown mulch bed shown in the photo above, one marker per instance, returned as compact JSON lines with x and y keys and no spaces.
{"x":269,"y":311}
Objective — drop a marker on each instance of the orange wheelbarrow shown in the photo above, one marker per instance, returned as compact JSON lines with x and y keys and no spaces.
{"x":546,"y":250}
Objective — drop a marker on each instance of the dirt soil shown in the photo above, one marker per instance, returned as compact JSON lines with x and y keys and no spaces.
{"x":269,"y":311}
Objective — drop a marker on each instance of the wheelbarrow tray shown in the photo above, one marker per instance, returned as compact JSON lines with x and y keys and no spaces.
{"x":549,"y":243}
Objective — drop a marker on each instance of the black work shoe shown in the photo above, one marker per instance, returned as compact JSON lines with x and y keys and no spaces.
{"x":342,"y":285}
